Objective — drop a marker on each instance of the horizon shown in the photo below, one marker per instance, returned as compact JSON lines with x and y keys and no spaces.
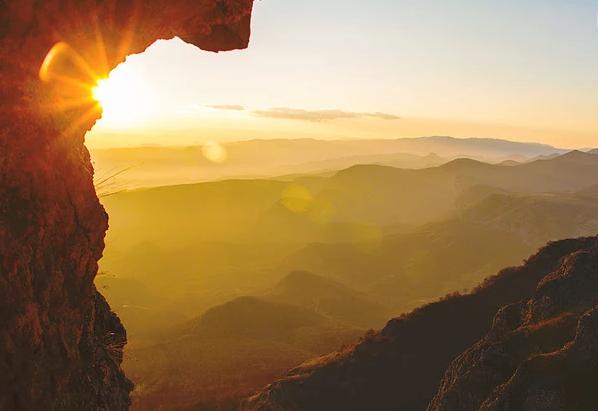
{"x":202,"y":143}
{"x":502,"y":71}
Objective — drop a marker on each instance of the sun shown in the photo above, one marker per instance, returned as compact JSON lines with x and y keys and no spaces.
{"x":127,"y":98}
{"x":101,"y":91}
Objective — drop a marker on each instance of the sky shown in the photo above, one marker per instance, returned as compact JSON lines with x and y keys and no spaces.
{"x":524,"y":70}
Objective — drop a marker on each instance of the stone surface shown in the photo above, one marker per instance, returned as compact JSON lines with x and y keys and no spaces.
{"x":60,"y":345}
{"x":541,"y":353}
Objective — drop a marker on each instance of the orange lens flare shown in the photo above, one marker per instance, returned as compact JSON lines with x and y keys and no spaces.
{"x":56,"y":50}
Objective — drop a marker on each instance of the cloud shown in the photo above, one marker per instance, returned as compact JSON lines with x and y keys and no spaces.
{"x":382,"y":116}
{"x":317,"y":115}
{"x":226,"y":107}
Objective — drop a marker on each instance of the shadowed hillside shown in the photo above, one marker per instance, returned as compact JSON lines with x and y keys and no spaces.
{"x":228,"y":352}
{"x":401,"y":366}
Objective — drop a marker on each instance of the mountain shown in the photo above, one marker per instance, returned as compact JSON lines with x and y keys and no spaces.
{"x":143,"y":167}
{"x":398,"y":160}
{"x":135,"y":167}
{"x":410,"y":266}
{"x":419,"y":196}
{"x":509,"y":163}
{"x":594,"y":151}
{"x":542,"y":350}
{"x":255,"y":318}
{"x":311,"y":149}
{"x":371,"y":232}
{"x":313,"y":207}
{"x":541,"y":347}
{"x":228,"y":352}
{"x":382,"y":231}
{"x":329,"y":298}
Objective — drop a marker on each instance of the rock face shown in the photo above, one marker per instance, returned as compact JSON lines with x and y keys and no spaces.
{"x":540,"y":354}
{"x":60,"y":345}
{"x":526,"y":339}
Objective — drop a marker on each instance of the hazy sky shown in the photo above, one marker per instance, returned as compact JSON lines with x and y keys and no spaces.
{"x":516,"y":69}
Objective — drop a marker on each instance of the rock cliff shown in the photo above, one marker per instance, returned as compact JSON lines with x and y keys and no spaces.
{"x":60,"y":345}
{"x":540,"y":354}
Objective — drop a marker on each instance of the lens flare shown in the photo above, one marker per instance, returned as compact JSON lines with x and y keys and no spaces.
{"x":45,"y":69}
{"x":296,"y":198}
{"x":214,"y":152}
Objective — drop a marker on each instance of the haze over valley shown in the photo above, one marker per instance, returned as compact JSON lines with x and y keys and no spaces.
{"x":119,"y":168}
{"x":232,"y":282}
{"x":340,"y":205}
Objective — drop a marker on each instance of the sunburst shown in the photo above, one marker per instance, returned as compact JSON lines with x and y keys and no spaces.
{"x":123,"y":97}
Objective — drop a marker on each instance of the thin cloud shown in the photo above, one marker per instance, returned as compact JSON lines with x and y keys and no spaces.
{"x":383,"y":116}
{"x":235,"y":107}
{"x":317,"y":115}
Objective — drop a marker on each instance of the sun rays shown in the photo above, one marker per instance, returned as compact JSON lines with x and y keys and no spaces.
{"x":126,"y":97}
{"x":82,"y":82}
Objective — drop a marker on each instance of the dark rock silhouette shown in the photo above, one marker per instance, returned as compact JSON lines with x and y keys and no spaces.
{"x":60,"y":345}
{"x":539,"y":352}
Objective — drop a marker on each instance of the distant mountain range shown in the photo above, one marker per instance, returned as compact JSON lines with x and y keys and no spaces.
{"x":347,"y":206}
{"x":410,"y":266}
{"x":135,"y":167}
{"x":362,"y":219}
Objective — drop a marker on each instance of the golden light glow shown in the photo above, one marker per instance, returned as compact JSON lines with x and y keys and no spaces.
{"x":73,"y":79}
{"x":296,"y":198}
{"x":126,"y":98}
{"x":214,"y":152}
{"x":44,"y":70}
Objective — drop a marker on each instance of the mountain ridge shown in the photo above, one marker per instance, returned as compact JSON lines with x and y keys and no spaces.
{"x":132,"y":167}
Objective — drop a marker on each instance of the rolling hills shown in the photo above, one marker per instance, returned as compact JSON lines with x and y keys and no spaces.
{"x":273,"y":272}
{"x":150,"y":166}
{"x":228,"y":352}
{"x":380,"y":230}
{"x":329,"y":298}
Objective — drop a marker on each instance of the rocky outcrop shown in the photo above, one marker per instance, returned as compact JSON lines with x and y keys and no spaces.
{"x":537,"y":353}
{"x":60,"y":345}
{"x":540,"y":354}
